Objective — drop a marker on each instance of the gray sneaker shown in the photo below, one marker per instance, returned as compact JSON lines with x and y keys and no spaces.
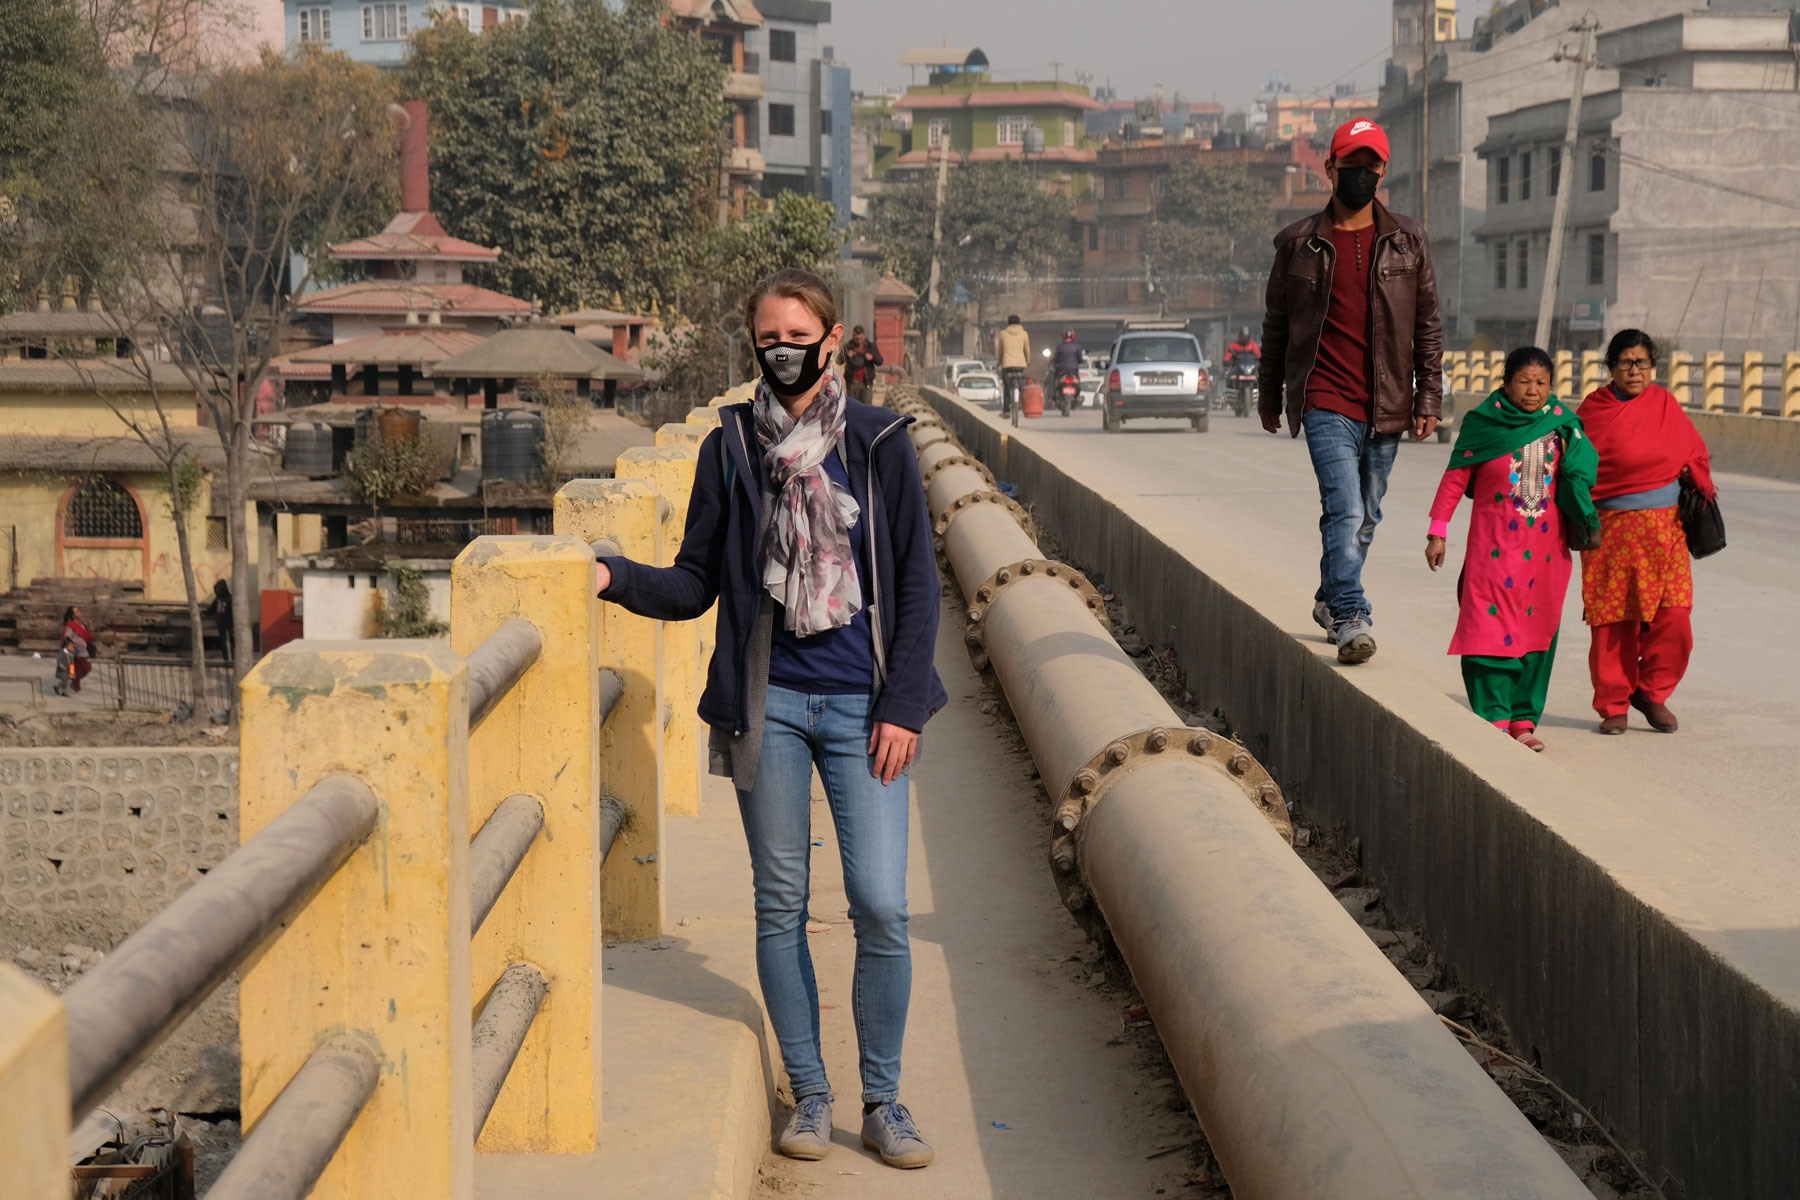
{"x":1355,"y":641}
{"x":808,"y":1131}
{"x":1324,"y":620}
{"x":890,"y":1132}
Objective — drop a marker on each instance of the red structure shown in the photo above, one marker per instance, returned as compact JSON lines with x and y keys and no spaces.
{"x":893,"y":315}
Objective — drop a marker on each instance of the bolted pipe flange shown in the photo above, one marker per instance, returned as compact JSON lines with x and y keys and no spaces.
{"x":962,"y":504}
{"x":1037,"y":568}
{"x":959,"y":460}
{"x":1062,"y":854}
{"x":1200,"y":743}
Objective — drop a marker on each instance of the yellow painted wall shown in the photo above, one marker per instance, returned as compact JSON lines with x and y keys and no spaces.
{"x":79,"y":414}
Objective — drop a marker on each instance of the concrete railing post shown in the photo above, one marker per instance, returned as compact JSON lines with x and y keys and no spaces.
{"x":632,"y":891}
{"x":690,"y":434}
{"x":382,"y":952}
{"x":1750,"y":390}
{"x":1712,"y":381}
{"x":34,"y":1088}
{"x":708,"y":418}
{"x":1496,"y":375}
{"x":1593,"y":371}
{"x":670,"y":470}
{"x":1458,"y":363}
{"x":541,"y":739}
{"x":1790,"y":385}
{"x":1563,"y":383}
{"x":1681,"y":377}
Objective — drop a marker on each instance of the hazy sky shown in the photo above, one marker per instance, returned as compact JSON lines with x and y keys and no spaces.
{"x":1201,"y":48}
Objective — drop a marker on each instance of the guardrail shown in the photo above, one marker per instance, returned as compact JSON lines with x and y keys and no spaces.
{"x":1762,"y":387}
{"x":410,"y":994}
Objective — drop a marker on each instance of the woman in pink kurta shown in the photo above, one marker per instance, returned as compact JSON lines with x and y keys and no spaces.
{"x":1519,"y":455}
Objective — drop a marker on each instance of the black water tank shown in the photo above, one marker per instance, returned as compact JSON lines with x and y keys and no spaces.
{"x":1226,"y":139}
{"x":307,"y":450}
{"x":512,"y":445}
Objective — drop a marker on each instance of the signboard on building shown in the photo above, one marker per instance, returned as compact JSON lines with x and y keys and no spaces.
{"x":1587,"y":316}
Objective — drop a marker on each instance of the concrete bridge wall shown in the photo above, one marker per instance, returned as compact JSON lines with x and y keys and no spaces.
{"x":1637,"y":978}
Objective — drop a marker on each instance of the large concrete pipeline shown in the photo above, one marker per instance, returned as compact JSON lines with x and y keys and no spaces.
{"x":1314,"y":1068}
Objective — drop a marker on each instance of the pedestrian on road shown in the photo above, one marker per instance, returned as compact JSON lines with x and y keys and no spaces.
{"x":220,"y":611}
{"x":1013,"y":346}
{"x":808,"y":525}
{"x":1637,"y":589}
{"x":859,"y":358}
{"x":1353,"y":353}
{"x":1522,"y":457}
{"x":81,"y":645}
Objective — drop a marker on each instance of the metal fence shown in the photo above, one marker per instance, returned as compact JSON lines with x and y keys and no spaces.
{"x":153,"y":683}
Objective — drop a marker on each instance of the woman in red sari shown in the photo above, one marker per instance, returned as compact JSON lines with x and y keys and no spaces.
{"x":1637,"y":589}
{"x":81,"y":643}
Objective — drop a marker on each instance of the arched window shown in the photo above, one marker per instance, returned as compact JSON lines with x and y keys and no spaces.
{"x":101,"y":508}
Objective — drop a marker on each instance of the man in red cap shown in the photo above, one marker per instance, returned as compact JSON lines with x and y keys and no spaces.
{"x":1352,"y":353}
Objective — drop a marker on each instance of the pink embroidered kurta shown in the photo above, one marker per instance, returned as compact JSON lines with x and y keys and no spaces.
{"x":1517,"y":567}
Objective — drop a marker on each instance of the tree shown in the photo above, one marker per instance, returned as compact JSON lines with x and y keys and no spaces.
{"x":797,"y":231}
{"x":584,"y":141}
{"x":999,"y":220}
{"x":1209,"y":217}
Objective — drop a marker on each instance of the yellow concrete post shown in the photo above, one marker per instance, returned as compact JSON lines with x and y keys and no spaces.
{"x":1681,"y":377}
{"x":1712,"y":381}
{"x":1563,"y":381}
{"x":1790,"y":386}
{"x":1750,"y":392}
{"x":631,"y":746}
{"x":722,"y":401}
{"x":670,"y":470}
{"x":1496,"y":369}
{"x":708,"y":418}
{"x":680,"y":433}
{"x":382,"y":952}
{"x":1593,"y":371}
{"x":542,"y":739}
{"x":1459,"y":370}
{"x":34,"y":1088}
{"x":691,"y":434}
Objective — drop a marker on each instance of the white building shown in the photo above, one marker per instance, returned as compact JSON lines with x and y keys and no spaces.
{"x":376,"y":31}
{"x":804,"y":115}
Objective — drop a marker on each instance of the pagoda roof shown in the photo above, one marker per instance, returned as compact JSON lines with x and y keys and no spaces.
{"x":414,"y":237}
{"x":531,"y":352}
{"x":383,"y":297}
{"x":414,"y":344}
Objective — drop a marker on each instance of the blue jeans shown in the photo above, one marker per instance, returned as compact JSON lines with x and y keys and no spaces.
{"x":871,"y":820}
{"x":1353,"y":470}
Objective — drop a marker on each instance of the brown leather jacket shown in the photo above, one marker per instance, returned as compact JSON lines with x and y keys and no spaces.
{"x":1406,"y":349}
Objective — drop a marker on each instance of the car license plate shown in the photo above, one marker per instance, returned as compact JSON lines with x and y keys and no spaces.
{"x":1158,"y":378}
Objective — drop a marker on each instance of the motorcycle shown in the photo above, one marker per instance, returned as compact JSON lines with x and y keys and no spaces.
{"x":1240,"y":383}
{"x":1068,"y":392}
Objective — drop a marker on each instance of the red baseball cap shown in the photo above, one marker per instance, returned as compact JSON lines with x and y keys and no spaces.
{"x":1355,"y":135}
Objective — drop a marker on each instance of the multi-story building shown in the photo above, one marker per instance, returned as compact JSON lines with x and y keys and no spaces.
{"x":1509,"y":62}
{"x":1682,"y":218}
{"x":376,"y":31}
{"x":724,"y":26}
{"x":805,"y":114}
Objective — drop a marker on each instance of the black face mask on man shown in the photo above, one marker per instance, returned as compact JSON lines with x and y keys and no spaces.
{"x":791,"y":368}
{"x":1356,"y":187}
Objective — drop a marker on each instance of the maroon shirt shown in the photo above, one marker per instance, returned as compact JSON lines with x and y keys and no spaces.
{"x":1340,"y":379}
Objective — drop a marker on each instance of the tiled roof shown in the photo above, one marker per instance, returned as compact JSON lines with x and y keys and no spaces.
{"x":33,"y":452}
{"x":411,"y":344}
{"x":62,"y":324}
{"x":46,"y":374}
{"x":524,"y":353}
{"x":1041,"y":98}
{"x":414,"y":236}
{"x":380,"y":297}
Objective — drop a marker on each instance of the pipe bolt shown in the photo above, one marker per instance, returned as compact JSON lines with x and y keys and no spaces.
{"x":1240,"y":762}
{"x":973,"y":636}
{"x":1117,"y":753}
{"x":981,"y":661}
{"x":1158,"y":741}
{"x":1086,"y":780}
{"x":1200,"y":743}
{"x":1068,"y":821}
{"x":974,"y":613}
{"x":1005,"y":576}
{"x":1271,"y":795}
{"x":1077,"y":899}
{"x":984,"y":593}
{"x":1063,"y":858}
{"x":1052,"y":571}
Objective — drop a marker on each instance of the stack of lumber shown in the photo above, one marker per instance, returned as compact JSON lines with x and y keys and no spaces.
{"x":122,"y":620}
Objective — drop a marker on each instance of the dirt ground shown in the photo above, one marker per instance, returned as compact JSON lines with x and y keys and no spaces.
{"x":23,"y":728}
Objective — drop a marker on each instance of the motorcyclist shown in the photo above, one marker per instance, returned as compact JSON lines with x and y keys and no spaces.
{"x":1067,"y":359}
{"x":1243,"y":344}
{"x":1014,"y":346}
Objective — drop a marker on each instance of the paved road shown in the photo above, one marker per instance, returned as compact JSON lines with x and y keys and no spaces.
{"x":1725,"y":786}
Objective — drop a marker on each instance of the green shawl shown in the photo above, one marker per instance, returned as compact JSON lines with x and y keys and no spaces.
{"x":1497,"y":426}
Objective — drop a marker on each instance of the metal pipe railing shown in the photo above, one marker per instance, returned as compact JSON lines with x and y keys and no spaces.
{"x":611,"y":691}
{"x":500,"y":1031}
{"x":612,"y":819}
{"x":293,"y":1142}
{"x":120,"y":1010}
{"x":498,"y":662}
{"x":496,"y":851}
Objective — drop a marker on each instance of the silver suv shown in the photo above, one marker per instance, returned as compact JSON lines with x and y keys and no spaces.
{"x":1157,"y":373}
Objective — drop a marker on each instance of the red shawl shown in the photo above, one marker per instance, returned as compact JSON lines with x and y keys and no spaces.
{"x":1643,"y":443}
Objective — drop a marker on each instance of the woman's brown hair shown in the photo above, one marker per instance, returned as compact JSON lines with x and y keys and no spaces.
{"x":795,"y":284}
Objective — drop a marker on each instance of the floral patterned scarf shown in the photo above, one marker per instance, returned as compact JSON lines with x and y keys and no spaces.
{"x":809,"y":564}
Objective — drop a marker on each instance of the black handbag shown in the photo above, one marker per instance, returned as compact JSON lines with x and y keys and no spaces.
{"x":1701,"y":520}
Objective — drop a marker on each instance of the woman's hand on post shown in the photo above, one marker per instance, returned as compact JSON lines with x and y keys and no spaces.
{"x":893,"y":747}
{"x":602,"y":578}
{"x":1434,"y":552}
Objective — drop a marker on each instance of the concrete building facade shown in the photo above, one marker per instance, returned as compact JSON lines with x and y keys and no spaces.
{"x":804,"y":114}
{"x":1684,"y":221}
{"x":376,"y":31}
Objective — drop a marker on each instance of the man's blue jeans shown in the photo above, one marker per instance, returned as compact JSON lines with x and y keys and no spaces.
{"x":1353,"y":473}
{"x":871,"y":820}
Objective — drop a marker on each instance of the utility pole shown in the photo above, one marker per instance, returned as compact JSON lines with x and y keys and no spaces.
{"x":1429,"y":30}
{"x":1565,"y":193}
{"x":937,"y":243}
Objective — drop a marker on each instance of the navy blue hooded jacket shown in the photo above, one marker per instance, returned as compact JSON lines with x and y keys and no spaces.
{"x":717,"y":561}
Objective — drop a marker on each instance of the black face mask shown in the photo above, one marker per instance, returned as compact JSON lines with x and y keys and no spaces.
{"x":1356,"y":187}
{"x":791,"y":368}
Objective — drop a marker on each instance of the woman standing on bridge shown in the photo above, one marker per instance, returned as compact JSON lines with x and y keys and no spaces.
{"x":1523,"y":458}
{"x":1637,"y":589}
{"x":808,"y":525}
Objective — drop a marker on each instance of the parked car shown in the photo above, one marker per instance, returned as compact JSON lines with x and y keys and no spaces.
{"x":1161,"y":373}
{"x":978,"y":387}
{"x":952,"y":367}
